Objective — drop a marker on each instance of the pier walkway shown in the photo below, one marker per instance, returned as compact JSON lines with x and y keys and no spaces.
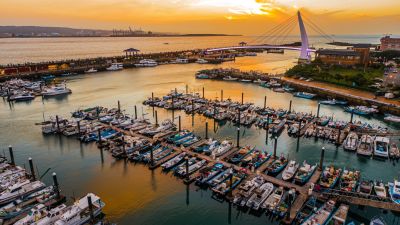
{"x":303,"y":192}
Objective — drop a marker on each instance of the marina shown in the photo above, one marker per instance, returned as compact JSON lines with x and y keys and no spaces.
{"x":161,"y":190}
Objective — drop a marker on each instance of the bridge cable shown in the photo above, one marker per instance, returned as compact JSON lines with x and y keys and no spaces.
{"x":270,"y":32}
{"x":284,"y":31}
{"x":273,"y":36}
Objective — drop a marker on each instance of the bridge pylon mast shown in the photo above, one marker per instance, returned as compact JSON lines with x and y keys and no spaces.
{"x":304,"y":53}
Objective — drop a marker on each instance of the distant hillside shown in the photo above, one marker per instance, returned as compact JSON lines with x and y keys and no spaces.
{"x":38,"y":31}
{"x":21,"y":31}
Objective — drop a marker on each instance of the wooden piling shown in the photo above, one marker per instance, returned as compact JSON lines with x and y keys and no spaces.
{"x":32,"y":169}
{"x":10,"y":150}
{"x":321,"y":161}
{"x":275,"y":146}
{"x":238,"y":137}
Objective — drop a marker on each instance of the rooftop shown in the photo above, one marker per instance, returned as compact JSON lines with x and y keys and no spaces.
{"x":342,"y":52}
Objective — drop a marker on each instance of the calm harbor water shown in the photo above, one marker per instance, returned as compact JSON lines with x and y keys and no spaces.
{"x":133,"y":193}
{"x":20,"y":50}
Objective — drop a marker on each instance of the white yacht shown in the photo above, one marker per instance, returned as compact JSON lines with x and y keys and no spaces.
{"x":290,"y":170}
{"x":78,"y":213}
{"x":57,"y":90}
{"x":381,"y":147}
{"x":146,"y":63}
{"x":52,"y":216}
{"x":201,"y":61}
{"x":115,"y":66}
{"x":181,"y":61}
{"x":19,"y":190}
{"x":91,"y":70}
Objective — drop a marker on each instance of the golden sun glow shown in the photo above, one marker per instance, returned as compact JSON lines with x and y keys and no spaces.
{"x":240,"y":7}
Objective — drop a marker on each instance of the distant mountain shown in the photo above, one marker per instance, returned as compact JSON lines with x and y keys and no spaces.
{"x":38,"y":31}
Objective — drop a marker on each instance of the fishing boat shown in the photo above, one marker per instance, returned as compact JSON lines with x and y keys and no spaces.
{"x":260,"y":195}
{"x":219,"y":178}
{"x":276,"y":129}
{"x":287,"y":88}
{"x":255,"y":159}
{"x":380,"y":189}
{"x":20,"y":190}
{"x":394,"y":151}
{"x":304,"y":173}
{"x":277,"y":165}
{"x":207,"y":147}
{"x":242,"y":153}
{"x":322,"y":215}
{"x":304,"y":95}
{"x":360,"y":110}
{"x":246,"y":189}
{"x":365,"y":145}
{"x":208,"y":173}
{"x":56,"y":90}
{"x":394,"y":191}
{"x":365,"y":187}
{"x":23,"y":96}
{"x":173,"y":162}
{"x":349,"y":180}
{"x":246,"y":80}
{"x":78,"y":213}
{"x":223,"y":188}
{"x":178,"y":136}
{"x":273,"y":200}
{"x":340,"y":215}
{"x":381,"y":147}
{"x":290,"y":170}
{"x":333,"y":102}
{"x":309,"y":208}
{"x":224,"y":147}
{"x":287,"y":199}
{"x":330,"y":176}
{"x":191,"y":169}
{"x":91,"y":70}
{"x":351,"y":142}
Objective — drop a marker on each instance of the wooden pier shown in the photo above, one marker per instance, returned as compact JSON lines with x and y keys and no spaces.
{"x":303,"y":192}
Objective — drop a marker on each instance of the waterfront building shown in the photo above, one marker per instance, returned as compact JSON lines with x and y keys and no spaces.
{"x":389,"y":43}
{"x":346,"y":57}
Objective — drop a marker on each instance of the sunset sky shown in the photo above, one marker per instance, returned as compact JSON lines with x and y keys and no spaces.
{"x":205,"y":16}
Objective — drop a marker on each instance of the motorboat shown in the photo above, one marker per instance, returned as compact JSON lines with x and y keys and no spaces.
{"x":146,"y":63}
{"x":365,"y":145}
{"x":351,"y":142}
{"x":24,"y":96}
{"x":91,"y":70}
{"x":394,"y":191}
{"x":380,"y":189}
{"x":304,"y":173}
{"x":229,"y":78}
{"x":79,"y":213}
{"x":224,"y":147}
{"x":56,"y":90}
{"x":260,"y":195}
{"x":115,"y":67}
{"x":381,"y":147}
{"x":290,"y":170}
{"x":305,"y":95}
{"x":273,"y":200}
{"x":330,"y":176}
